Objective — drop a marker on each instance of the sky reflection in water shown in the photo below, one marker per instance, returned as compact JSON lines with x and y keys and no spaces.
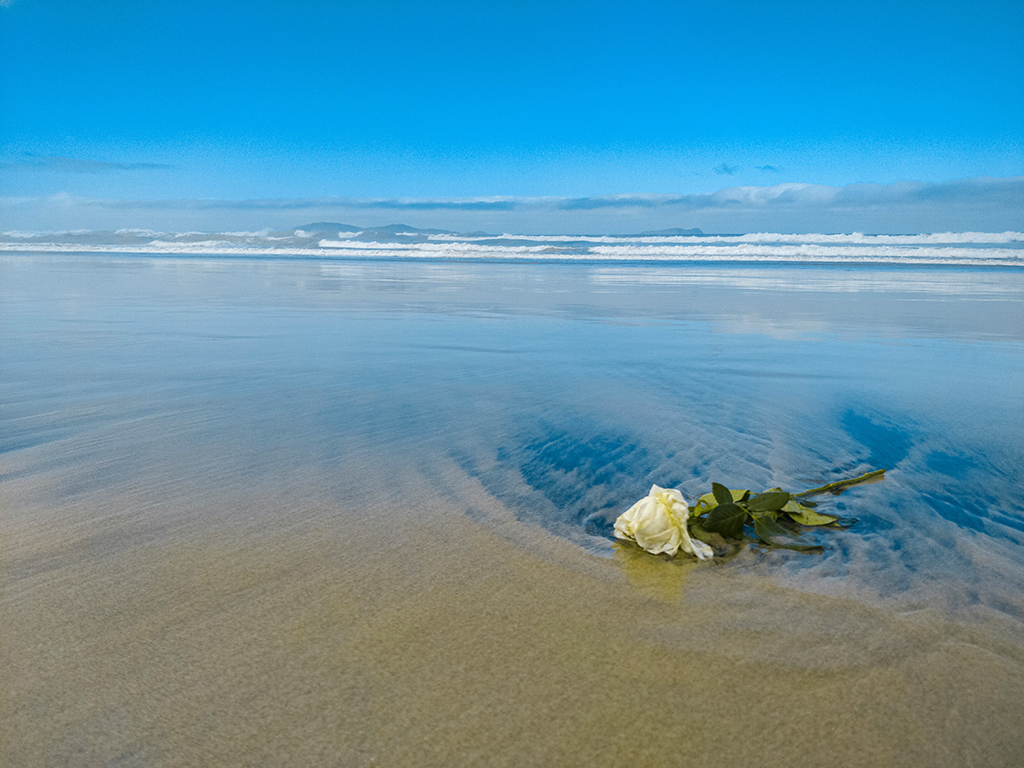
{"x":565,"y":390}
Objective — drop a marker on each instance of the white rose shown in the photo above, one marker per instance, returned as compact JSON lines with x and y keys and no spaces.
{"x":658,"y":524}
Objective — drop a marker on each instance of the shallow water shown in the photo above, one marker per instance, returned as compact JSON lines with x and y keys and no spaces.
{"x":286,"y":511}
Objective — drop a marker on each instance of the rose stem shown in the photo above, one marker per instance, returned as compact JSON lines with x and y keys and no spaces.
{"x":840,"y":484}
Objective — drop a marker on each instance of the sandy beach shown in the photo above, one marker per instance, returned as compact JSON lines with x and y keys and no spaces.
{"x":410,"y":635}
{"x":227,"y":541}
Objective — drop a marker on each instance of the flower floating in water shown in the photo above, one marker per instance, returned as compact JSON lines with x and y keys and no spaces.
{"x":662,"y":523}
{"x":658,"y":523}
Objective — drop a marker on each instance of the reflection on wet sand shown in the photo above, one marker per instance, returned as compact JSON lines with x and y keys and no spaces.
{"x":398,"y":635}
{"x":259,"y":513}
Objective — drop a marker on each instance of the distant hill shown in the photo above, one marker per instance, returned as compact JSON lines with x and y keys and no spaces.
{"x":671,"y":232}
{"x":390,"y":229}
{"x":394,"y":229}
{"x":324,"y":226}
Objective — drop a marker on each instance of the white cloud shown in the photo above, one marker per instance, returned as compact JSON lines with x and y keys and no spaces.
{"x":61,"y":164}
{"x":981,"y":204}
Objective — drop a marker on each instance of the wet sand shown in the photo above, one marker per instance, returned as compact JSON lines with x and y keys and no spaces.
{"x":405,"y":633}
{"x":261,"y":513}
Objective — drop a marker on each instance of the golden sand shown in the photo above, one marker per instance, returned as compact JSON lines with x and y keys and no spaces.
{"x":404,"y":634}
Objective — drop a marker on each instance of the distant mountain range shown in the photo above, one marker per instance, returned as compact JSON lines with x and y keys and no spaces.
{"x":390,"y":229}
{"x":319,"y":227}
{"x":328,"y":226}
{"x":671,"y":232}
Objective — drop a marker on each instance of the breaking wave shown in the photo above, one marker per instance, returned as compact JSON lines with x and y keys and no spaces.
{"x":326,"y":241}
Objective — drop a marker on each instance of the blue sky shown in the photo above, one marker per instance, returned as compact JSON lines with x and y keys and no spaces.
{"x":171,"y":101}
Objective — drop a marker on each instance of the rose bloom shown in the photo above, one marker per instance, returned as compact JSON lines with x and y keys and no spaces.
{"x":658,"y":524}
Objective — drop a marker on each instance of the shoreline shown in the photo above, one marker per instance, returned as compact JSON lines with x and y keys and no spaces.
{"x":386,"y":255}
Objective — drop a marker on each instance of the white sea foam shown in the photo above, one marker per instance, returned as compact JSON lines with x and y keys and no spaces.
{"x":941,"y":238}
{"x":1003,"y":249}
{"x":806,"y":252}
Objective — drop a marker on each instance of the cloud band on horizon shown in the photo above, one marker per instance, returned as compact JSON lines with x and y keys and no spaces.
{"x":903,"y":206}
{"x":62,"y":164}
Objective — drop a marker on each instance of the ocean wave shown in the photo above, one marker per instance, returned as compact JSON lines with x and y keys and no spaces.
{"x":809,"y":252}
{"x":940,"y":238}
{"x":1004,"y":249}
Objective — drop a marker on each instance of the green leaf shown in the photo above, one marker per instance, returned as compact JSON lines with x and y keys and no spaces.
{"x":768,"y":529}
{"x":697,"y":532}
{"x":708,"y":500}
{"x":721,"y":493}
{"x":770,"y":532}
{"x":726,"y":519}
{"x":769,"y":501}
{"x":812,"y":518}
{"x":799,"y":513}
